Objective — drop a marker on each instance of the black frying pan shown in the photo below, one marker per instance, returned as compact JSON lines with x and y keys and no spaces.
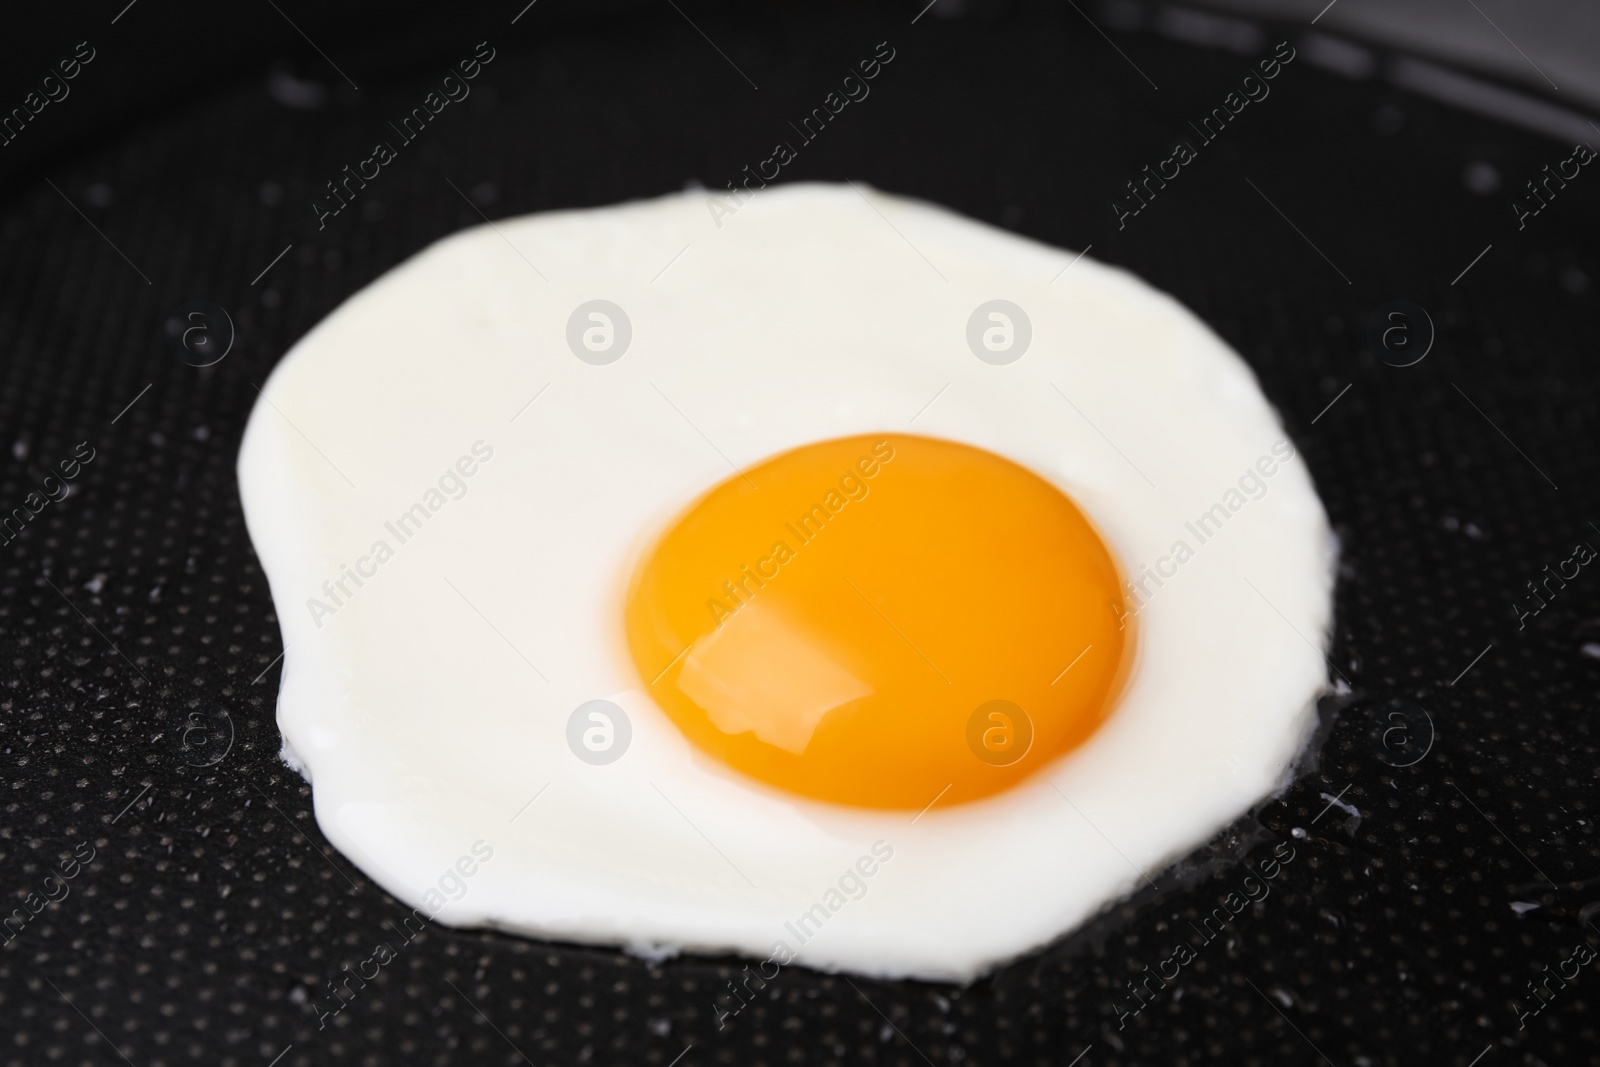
{"x":203,"y":912}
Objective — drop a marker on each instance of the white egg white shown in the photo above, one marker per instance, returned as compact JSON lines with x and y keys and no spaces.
{"x":439,"y":420}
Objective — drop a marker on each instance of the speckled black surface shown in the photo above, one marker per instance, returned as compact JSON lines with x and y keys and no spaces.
{"x":207,"y":917}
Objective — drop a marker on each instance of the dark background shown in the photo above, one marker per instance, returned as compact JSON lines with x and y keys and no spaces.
{"x":186,"y":158}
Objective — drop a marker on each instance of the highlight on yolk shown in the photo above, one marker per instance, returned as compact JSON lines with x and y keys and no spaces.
{"x":880,"y":621}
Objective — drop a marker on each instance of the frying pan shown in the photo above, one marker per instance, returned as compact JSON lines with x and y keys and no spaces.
{"x":1442,"y":831}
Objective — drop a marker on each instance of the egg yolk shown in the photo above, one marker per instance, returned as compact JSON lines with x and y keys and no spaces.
{"x":881,"y":621}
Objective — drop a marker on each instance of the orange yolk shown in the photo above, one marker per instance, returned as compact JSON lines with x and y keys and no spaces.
{"x":881,"y":621}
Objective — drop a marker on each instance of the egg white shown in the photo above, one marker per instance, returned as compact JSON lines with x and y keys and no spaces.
{"x":432,"y":703}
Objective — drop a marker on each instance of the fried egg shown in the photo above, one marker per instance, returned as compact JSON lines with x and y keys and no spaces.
{"x":836,"y":581}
